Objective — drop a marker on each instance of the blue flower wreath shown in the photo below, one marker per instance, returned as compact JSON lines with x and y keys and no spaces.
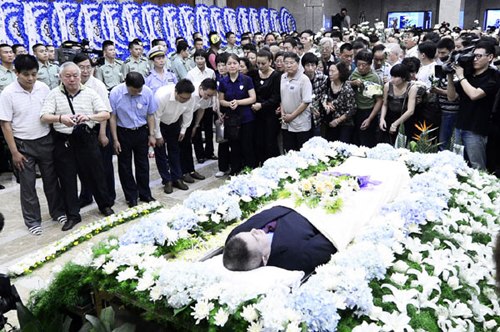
{"x":152,"y":21}
{"x":229,"y":20}
{"x":186,"y":20}
{"x":36,"y":31}
{"x":170,"y":15}
{"x":253,"y":18}
{"x":95,"y":35}
{"x":242,"y":19}
{"x":216,"y":22}
{"x":202,"y":23}
{"x":70,"y":11}
{"x":113,"y":30}
{"x":287,"y":20}
{"x":14,"y":22}
{"x":274,"y":20}
{"x":265,"y":27}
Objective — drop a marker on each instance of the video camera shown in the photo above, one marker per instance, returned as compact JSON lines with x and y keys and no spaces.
{"x":8,"y":298}
{"x":463,"y":58}
{"x":69,"y":49}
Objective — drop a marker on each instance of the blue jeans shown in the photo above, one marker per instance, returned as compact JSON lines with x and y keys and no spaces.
{"x":448,"y":121}
{"x":475,"y":147}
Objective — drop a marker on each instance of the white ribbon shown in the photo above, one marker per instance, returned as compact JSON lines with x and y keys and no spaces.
{"x":29,"y":24}
{"x":109,"y":23}
{"x":88,"y":27}
{"x":147,"y":16}
{"x":131,"y":33}
{"x":62,"y":21}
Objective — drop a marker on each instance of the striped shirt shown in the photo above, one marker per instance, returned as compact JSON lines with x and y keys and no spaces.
{"x":86,"y":102}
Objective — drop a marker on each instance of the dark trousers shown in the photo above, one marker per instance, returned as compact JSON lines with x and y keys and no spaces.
{"x":294,"y":140}
{"x":161,"y":160}
{"x":340,"y":133}
{"x":134,"y":143}
{"x":367,"y":137}
{"x":39,"y":152}
{"x":109,"y":172}
{"x":186,"y":151}
{"x":206,"y":125}
{"x":171,"y":169}
{"x":85,"y":159}
{"x":267,"y":128}
{"x":239,"y":152}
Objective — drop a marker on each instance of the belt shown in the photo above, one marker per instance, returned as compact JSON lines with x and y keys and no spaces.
{"x":132,"y":129}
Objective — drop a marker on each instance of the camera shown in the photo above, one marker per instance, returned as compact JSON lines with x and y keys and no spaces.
{"x":464,"y":58}
{"x":8,"y":298}
{"x":69,"y":49}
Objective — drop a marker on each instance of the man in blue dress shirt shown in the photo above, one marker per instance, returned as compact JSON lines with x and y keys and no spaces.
{"x":132,"y":127}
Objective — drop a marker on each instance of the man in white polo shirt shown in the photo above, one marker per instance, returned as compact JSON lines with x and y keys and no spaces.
{"x":74,"y":110}
{"x":30,"y":142}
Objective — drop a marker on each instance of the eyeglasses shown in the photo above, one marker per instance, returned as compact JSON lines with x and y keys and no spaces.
{"x":479,"y":56}
{"x":85,"y":68}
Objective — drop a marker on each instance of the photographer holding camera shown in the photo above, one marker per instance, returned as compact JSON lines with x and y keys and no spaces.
{"x":477,"y":92}
{"x":74,"y":110}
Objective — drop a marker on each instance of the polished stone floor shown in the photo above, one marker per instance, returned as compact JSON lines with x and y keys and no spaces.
{"x":16,"y":242}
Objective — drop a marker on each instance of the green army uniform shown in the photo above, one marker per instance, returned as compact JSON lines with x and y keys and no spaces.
{"x":7,"y":76}
{"x":140,"y":66}
{"x":110,"y":74}
{"x":48,"y":74}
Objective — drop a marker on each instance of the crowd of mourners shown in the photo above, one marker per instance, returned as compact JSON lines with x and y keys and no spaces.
{"x":64,"y":114}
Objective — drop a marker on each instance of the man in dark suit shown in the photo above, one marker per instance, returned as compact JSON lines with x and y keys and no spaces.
{"x":277,"y":237}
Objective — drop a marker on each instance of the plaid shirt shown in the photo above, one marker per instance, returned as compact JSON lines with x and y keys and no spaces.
{"x":319,"y":89}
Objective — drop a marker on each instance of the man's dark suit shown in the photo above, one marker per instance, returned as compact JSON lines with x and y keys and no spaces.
{"x":297,"y":244}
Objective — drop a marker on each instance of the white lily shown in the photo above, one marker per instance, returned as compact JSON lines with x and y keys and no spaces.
{"x":401,"y":297}
{"x":396,"y":322}
{"x":428,"y":282}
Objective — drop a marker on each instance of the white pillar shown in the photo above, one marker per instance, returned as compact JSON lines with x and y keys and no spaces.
{"x":450,"y":11}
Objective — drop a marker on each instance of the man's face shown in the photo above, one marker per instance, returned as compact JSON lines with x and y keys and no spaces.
{"x":231,"y":39}
{"x":184,"y":54}
{"x":258,"y":245}
{"x":409,"y":40}
{"x":258,"y":38}
{"x":343,"y":13}
{"x":41,"y":54}
{"x":182,"y":97}
{"x":326,"y":51}
{"x":134,"y":91}
{"x":70,"y":77}
{"x":198,"y":45}
{"x":207,"y":94}
{"x":159,"y":61}
{"x":287,"y":47}
{"x":20,"y":50}
{"x":51,"y":51}
{"x":393,"y":57}
{"x":136,"y":51}
{"x":221,"y":68}
{"x":481,"y":59}
{"x":27,"y":78}
{"x":110,"y":52}
{"x":310,"y":68}
{"x":162,"y":44}
{"x":291,"y":66}
{"x":346,"y":56}
{"x":306,"y":39}
{"x":458,"y":44}
{"x":200,"y":62}
{"x":86,"y":70}
{"x":378,"y":59}
{"x":363,"y":67}
{"x":6,"y":54}
{"x":443,"y":54}
{"x":270,"y":39}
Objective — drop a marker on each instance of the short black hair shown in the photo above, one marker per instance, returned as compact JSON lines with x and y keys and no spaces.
{"x":80,"y":57}
{"x":249,"y":47}
{"x":431,"y":36}
{"x":269,"y":34}
{"x":428,"y":48}
{"x":364,"y":55}
{"x":232,"y":56}
{"x":309,"y":58}
{"x":401,"y":70}
{"x":358,"y":44}
{"x":107,"y":43}
{"x":412,"y":63}
{"x":291,"y":55}
{"x":488,"y":46}
{"x":221,"y":57}
{"x":291,"y":41}
{"x":246,"y":61}
{"x":184,"y":86}
{"x":236,"y":256}
{"x":308,"y":31}
{"x":16,"y":46}
{"x":182,"y":46}
{"x":377,"y":48}
{"x":264,"y":53}
{"x":200,"y":53}
{"x":135,"y":42}
{"x":37,"y":45}
{"x":156,"y":41}
{"x":346,"y":46}
{"x":208,"y":84}
{"x":25,"y":62}
{"x":344,"y":70}
{"x":197,"y":40}
{"x":228,"y":34}
{"x":134,"y":80}
{"x":447,"y":43}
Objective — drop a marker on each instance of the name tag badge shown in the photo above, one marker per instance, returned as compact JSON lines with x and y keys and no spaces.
{"x":291,"y":87}
{"x":139,"y":106}
{"x":241,"y":87}
{"x":261,"y":82}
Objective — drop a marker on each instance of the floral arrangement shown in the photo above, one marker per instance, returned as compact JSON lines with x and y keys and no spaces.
{"x":326,"y":190}
{"x":371,"y":89}
{"x":82,"y":234}
{"x":423,"y":264}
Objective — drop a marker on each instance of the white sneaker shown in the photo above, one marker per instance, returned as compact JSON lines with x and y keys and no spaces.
{"x":220,"y":174}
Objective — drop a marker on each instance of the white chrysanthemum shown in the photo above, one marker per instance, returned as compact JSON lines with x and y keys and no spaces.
{"x":249,"y":313}
{"x":201,"y":310}
{"x":129,"y":273}
{"x":221,"y":317}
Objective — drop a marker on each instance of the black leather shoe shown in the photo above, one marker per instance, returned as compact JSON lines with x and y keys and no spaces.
{"x":197,"y":176}
{"x":2,"y":187}
{"x":179,"y":184}
{"x":187,"y":178}
{"x":147,"y":199}
{"x":107,"y":211}
{"x":168,"y":188}
{"x":85,"y":203}
{"x":69,"y":224}
{"x":213,"y":157}
{"x":201,"y":160}
{"x":132,"y":204}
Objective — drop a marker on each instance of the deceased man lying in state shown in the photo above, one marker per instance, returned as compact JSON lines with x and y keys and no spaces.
{"x":278,"y":237}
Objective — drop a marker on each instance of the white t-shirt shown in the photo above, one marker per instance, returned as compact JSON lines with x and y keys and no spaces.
{"x":22,"y":109}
